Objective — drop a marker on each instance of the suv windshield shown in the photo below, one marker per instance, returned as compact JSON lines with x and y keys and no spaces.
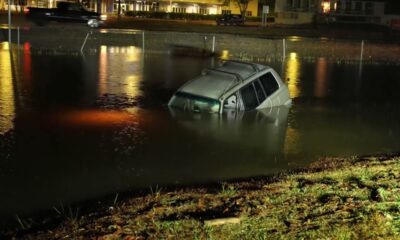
{"x":190,"y":102}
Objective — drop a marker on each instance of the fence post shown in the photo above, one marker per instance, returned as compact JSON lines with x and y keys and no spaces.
{"x":143,"y":41}
{"x":284,"y":48}
{"x":18,"y":36}
{"x":360,"y":65}
{"x":213,"y":44}
{"x":362,"y":51}
{"x":84,"y":42}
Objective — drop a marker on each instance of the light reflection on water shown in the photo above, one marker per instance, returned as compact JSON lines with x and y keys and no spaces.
{"x":292,"y":72}
{"x":98,"y":124}
{"x":7,"y":101}
{"x":241,"y":129}
{"x":120,"y":63}
{"x":321,"y":78}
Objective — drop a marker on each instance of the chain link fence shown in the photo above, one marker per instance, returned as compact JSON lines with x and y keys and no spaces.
{"x":222,"y":45}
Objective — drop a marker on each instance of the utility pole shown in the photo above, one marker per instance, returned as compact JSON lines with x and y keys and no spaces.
{"x":9,"y":22}
{"x":119,"y":9}
{"x":264,"y":15}
{"x":98,"y":6}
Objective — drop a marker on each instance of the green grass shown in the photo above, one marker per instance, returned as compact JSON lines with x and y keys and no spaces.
{"x":227,"y":190}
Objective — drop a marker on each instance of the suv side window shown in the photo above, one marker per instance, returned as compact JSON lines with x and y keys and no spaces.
{"x":260,"y":92}
{"x":269,"y":83}
{"x":249,"y":97}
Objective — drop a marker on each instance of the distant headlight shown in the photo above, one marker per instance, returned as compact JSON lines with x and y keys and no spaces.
{"x":103,"y":17}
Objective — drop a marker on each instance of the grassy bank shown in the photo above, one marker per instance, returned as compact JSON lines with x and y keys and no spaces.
{"x":335,"y":198}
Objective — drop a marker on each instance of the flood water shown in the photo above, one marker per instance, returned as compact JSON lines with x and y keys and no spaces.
{"x":75,"y":128}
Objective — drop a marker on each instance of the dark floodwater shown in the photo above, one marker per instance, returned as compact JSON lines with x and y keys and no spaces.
{"x":74,"y":128}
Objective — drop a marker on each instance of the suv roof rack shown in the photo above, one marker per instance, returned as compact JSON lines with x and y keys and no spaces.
{"x":253,"y":65}
{"x":236,"y":75}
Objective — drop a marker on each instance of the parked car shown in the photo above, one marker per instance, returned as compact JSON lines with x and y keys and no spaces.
{"x":230,"y":19}
{"x":65,"y":12}
{"x":238,"y":86}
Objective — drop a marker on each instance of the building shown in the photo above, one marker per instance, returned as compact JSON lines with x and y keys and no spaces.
{"x":349,"y":11}
{"x":352,"y":11}
{"x":205,"y":7}
{"x":295,"y":11}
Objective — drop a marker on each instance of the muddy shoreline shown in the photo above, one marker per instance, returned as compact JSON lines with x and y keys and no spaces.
{"x":359,"y":181}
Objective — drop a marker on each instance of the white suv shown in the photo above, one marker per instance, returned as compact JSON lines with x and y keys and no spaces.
{"x":233,"y":85}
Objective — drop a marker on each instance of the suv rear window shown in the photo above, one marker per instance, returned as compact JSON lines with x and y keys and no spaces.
{"x":269,"y":83}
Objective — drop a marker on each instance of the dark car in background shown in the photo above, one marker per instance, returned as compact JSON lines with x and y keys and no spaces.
{"x":230,"y":19}
{"x":65,"y":12}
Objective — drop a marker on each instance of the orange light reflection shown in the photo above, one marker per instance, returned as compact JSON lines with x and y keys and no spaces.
{"x":321,"y":78}
{"x":94,"y":118}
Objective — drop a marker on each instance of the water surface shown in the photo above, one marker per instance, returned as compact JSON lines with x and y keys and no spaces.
{"x":79,"y":127}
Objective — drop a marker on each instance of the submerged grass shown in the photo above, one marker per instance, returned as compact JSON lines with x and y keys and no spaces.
{"x":354,"y":198}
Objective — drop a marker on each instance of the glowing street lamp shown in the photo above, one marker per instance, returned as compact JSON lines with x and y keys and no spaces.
{"x":326,"y":6}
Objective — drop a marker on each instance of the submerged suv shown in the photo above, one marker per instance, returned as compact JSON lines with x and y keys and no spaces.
{"x":230,"y":19}
{"x":240,"y":86}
